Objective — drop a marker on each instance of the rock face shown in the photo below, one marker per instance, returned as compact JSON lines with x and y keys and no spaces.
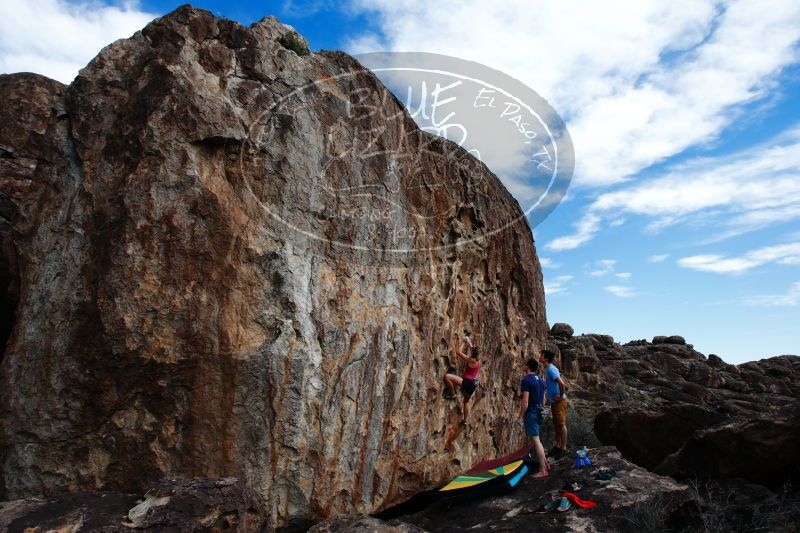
{"x":33,"y":104}
{"x":197,"y":291}
{"x":672,"y":410}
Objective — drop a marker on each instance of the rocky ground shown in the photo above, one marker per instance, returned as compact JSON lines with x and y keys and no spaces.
{"x":622,"y":502}
{"x":228,"y":505}
{"x":635,"y":500}
{"x":172,"y":505}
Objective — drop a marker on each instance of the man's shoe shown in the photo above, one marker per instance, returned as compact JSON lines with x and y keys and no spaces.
{"x":552,"y":505}
{"x":564,"y":505}
{"x":540,"y":475}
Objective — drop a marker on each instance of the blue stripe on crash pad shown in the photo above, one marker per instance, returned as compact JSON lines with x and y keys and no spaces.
{"x":514,"y":480}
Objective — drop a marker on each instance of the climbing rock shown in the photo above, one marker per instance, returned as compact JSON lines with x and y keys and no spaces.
{"x":194,"y":294}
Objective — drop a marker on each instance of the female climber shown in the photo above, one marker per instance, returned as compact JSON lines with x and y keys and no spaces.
{"x":468,"y":382}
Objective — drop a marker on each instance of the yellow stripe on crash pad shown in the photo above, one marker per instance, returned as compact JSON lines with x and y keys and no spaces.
{"x":470,"y":480}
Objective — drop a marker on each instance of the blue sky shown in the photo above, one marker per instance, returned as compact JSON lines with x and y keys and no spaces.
{"x":684,"y":213}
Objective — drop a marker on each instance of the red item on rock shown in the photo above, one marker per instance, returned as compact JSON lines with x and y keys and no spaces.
{"x":585,"y":504}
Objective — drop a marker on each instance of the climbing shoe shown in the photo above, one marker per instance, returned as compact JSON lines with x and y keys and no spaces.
{"x":556,"y":453}
{"x":604,"y":474}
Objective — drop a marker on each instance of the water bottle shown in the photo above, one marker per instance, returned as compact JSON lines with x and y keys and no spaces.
{"x":582,"y":458}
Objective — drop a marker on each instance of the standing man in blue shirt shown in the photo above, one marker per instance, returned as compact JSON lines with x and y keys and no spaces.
{"x":556,"y":396}
{"x":531,"y":412}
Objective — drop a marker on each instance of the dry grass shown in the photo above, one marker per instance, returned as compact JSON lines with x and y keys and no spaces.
{"x":580,"y":429}
{"x":648,"y":516}
{"x":722,"y":510}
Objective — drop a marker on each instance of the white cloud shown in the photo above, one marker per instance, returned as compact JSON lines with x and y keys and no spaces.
{"x":789,"y":298}
{"x":616,"y":222}
{"x":364,"y":43}
{"x":557,"y":285}
{"x":303,"y":8}
{"x":637,"y":81}
{"x":602,"y":267}
{"x":784,"y":254}
{"x":585,"y":229}
{"x":57,"y":38}
{"x":546,"y":262}
{"x":658,"y":258}
{"x":748,"y":190}
{"x":620,"y":291}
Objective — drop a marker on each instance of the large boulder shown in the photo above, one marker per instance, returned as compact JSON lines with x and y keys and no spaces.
{"x":561,"y":329}
{"x":668,"y":339}
{"x":760,"y":449}
{"x":197,"y":292}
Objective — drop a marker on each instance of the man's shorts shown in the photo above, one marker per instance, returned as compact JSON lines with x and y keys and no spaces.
{"x":560,"y":412}
{"x":533,"y":420}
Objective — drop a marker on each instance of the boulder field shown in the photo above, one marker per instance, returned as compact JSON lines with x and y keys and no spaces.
{"x":674,"y":411}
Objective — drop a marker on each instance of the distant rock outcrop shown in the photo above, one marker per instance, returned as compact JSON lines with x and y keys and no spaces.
{"x":191,"y":296}
{"x":672,"y":410}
